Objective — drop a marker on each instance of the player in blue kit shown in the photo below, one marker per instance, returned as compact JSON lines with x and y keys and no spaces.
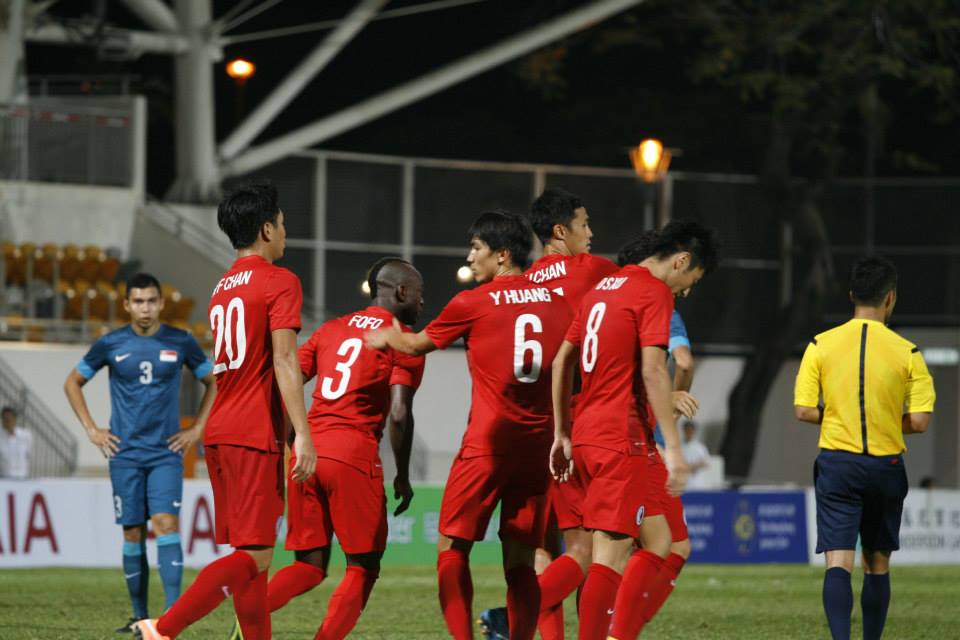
{"x":144,"y":442}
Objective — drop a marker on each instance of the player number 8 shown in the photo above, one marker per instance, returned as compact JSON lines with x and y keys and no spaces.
{"x":591,"y":341}
{"x":223,"y":325}
{"x":521,"y":346}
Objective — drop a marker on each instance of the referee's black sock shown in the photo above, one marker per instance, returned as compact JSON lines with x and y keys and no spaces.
{"x":838,"y":602}
{"x":874,"y":600}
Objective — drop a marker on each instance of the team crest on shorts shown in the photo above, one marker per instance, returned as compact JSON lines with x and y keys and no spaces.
{"x":640,"y":516}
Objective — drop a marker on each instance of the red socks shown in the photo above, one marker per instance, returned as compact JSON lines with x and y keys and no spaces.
{"x":456,"y":592}
{"x":523,"y":602}
{"x":635,"y":594}
{"x":663,"y":585}
{"x":219,"y":579}
{"x":346,"y":603}
{"x":550,"y":623}
{"x":597,"y":601}
{"x":558,"y":581}
{"x":291,"y":581}
{"x":250,"y":604}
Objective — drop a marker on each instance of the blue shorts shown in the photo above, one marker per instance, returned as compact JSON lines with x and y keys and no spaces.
{"x":859,"y":494}
{"x":140,"y":492}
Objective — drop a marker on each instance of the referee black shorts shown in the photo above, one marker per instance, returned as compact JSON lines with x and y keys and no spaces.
{"x":859,"y":494}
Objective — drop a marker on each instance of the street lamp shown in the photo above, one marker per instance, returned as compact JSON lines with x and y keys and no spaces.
{"x":650,"y":162}
{"x":240,"y":70}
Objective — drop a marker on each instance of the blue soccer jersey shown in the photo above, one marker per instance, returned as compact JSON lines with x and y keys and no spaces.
{"x":145,"y":388}
{"x":678,"y":338}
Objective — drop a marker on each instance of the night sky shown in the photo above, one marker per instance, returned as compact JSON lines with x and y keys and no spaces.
{"x":608,"y":99}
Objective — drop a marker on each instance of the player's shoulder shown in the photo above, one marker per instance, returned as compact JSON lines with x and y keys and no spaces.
{"x":119,"y":334}
{"x":281,"y":275}
{"x":173,"y":334}
{"x":593,"y":262}
{"x":896,"y":339}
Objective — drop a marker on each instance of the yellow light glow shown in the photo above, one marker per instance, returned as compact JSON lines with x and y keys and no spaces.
{"x":240,"y":69}
{"x":650,"y":160}
{"x":365,"y":288}
{"x":464,"y":274}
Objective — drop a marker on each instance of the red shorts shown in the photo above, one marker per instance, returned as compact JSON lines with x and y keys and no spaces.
{"x":616,"y":494}
{"x":566,"y":502}
{"x":247,"y":494}
{"x":671,"y":506}
{"x":340,"y":498}
{"x":478,"y":482}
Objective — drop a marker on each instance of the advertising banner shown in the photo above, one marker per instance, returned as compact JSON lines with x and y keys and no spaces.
{"x":929,"y":528}
{"x":747,"y":526}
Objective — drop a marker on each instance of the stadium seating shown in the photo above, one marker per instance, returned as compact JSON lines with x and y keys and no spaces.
{"x":76,"y":284}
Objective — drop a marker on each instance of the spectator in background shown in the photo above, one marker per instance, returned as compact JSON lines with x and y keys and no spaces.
{"x":697,"y":456}
{"x":15,"y":445}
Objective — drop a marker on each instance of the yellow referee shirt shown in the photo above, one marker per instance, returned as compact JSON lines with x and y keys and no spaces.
{"x":869,"y":377}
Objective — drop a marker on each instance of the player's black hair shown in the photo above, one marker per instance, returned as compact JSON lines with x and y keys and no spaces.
{"x":375,"y":271}
{"x":638,"y":249}
{"x":687,"y":235}
{"x":499,"y":229}
{"x":244,"y":211}
{"x":142,"y":281}
{"x":553,"y":207}
{"x":871,"y":279}
{"x":8,"y":409}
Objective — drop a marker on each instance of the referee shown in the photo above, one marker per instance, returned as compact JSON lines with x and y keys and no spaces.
{"x":875,"y":388}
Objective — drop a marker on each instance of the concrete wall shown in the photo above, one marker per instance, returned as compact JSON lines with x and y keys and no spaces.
{"x":62,"y":213}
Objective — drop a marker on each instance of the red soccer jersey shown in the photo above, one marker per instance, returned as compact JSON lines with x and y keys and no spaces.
{"x":512,"y":329}
{"x":352,"y":396}
{"x":252,"y":299}
{"x":570,"y":276}
{"x":622,"y":314}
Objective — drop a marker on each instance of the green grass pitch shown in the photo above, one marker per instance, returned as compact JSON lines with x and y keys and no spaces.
{"x":715,"y":602}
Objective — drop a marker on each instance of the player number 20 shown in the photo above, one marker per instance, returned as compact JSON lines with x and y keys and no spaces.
{"x":224,"y":325}
{"x":521,"y":345}
{"x":591,"y":341}
{"x":351,"y":348}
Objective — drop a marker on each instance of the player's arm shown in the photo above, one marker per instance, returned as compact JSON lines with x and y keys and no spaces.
{"x":656,"y":381}
{"x":561,"y":453}
{"x":920,"y":397}
{"x":413,"y":344}
{"x":103,"y":439}
{"x":400,"y":427}
{"x":683,"y":368}
{"x":186,"y":438}
{"x":806,"y":392}
{"x":286,"y":367}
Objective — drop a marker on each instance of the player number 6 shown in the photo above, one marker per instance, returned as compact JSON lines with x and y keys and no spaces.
{"x":521,"y":346}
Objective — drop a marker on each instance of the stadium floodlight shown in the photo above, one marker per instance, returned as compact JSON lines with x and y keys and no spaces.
{"x":650,"y":160}
{"x":365,"y":288}
{"x":464,"y":274}
{"x":241,"y":70}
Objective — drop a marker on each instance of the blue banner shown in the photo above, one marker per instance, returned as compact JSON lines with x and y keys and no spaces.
{"x":747,"y":527}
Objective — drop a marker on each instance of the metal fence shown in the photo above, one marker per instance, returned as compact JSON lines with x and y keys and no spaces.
{"x":54,"y":450}
{"x":344,"y":210}
{"x":76,"y":141}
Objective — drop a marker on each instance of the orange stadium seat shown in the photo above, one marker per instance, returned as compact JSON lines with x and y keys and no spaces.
{"x":90,"y":265}
{"x":201,"y":331}
{"x":182,"y":309}
{"x":109,"y":268}
{"x":15,"y":263}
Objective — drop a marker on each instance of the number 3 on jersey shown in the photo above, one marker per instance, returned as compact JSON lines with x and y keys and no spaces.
{"x":229,"y":330}
{"x":351,"y":348}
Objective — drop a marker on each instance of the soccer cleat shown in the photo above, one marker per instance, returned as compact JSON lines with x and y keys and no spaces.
{"x":127,"y":627}
{"x":146,"y":629}
{"x":237,"y":633}
{"x":493,"y":623}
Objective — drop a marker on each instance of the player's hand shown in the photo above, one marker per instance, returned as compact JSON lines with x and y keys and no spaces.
{"x":380,"y":338}
{"x":677,"y":471}
{"x":403,"y":492}
{"x":182,"y":440}
{"x":684,"y":404}
{"x":105,"y":440}
{"x":561,"y":459}
{"x":306,"y":457}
